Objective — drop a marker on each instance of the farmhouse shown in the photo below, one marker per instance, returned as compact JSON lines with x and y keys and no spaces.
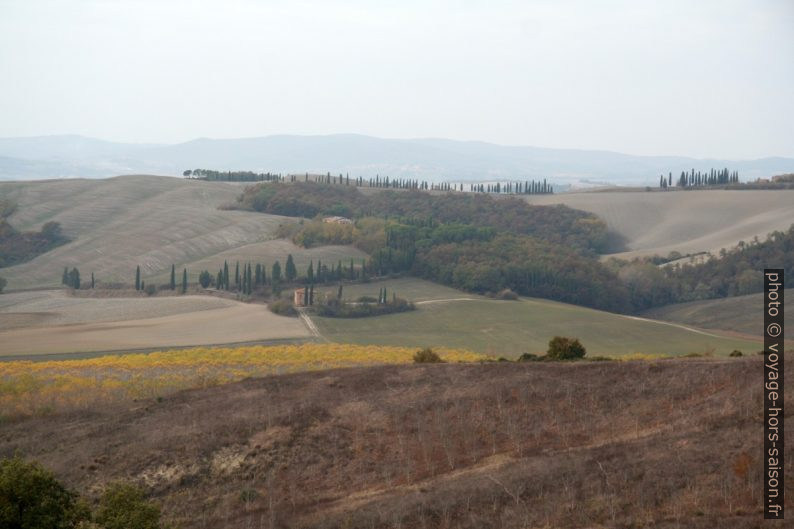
{"x":299,"y":297}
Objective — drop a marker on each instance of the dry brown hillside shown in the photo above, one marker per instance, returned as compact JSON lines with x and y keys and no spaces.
{"x":664,"y":444}
{"x":684,"y":221}
{"x":151,"y":221}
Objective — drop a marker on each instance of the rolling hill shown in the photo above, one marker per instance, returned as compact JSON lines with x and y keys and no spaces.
{"x":151,"y":221}
{"x":683,"y":221}
{"x":666,"y":444}
{"x":448,"y":317}
{"x":743,"y":314}
{"x":425,"y":158}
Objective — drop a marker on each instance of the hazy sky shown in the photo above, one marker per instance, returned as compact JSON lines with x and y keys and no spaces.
{"x":699,"y":78}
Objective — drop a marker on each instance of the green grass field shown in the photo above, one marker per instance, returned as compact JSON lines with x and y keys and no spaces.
{"x":510,"y":328}
{"x":742,"y":314}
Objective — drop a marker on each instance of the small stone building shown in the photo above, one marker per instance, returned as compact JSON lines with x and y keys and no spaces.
{"x":299,"y":297}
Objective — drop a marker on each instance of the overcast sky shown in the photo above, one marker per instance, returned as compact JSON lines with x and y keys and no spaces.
{"x":698,"y":78}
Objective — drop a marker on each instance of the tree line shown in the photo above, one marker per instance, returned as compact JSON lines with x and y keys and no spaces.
{"x":714,"y":177}
{"x":528,"y":187}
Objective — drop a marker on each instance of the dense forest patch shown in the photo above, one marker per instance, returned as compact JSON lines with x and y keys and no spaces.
{"x":20,"y":246}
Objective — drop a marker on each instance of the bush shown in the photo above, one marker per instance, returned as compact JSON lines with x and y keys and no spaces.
{"x":150,"y":290}
{"x":736,"y":352}
{"x":205,"y":279}
{"x":562,"y":348}
{"x":31,"y":498}
{"x":507,"y":295}
{"x":282,"y":307}
{"x":123,"y":506}
{"x":427,"y":356}
{"x":366,"y":299}
{"x":528,"y":357}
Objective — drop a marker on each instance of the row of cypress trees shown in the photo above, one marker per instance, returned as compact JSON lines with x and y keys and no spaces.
{"x":530,"y":187}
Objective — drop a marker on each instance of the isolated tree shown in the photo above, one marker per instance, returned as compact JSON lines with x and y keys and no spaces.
{"x":184,"y":280}
{"x":173,"y":277}
{"x":3,"y":283}
{"x":562,"y":348}
{"x":289,"y":269}
{"x":138,"y":277}
{"x":74,"y":278}
{"x":339,"y":293}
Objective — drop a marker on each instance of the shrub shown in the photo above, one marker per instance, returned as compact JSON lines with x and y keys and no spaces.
{"x":562,"y":348}
{"x":528,"y":357}
{"x":205,"y":279}
{"x":123,"y":506}
{"x":600,"y":359}
{"x":736,"y":352}
{"x":150,"y":290}
{"x":427,"y":356}
{"x":366,"y":299}
{"x":282,"y":307}
{"x":507,"y":295}
{"x":31,"y":498}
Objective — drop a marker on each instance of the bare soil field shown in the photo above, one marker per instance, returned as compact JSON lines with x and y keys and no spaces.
{"x":663,"y":444}
{"x":51,"y":322}
{"x":151,"y":221}
{"x":684,"y":221}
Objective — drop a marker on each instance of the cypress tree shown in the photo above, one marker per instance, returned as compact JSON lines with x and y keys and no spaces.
{"x":237,"y":275}
{"x":289,"y":269}
{"x":311,"y":294}
{"x":219,"y":280}
{"x":339,"y":293}
{"x":275,"y":273}
{"x":310,"y":272}
{"x":65,"y":277}
{"x":184,"y":280}
{"x":225,"y":275}
{"x":92,"y":280}
{"x":173,"y":277}
{"x":138,"y":285}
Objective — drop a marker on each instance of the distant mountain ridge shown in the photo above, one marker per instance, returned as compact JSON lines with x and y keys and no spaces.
{"x":428,"y":159}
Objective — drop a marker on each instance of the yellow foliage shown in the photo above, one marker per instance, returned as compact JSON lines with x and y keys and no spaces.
{"x":33,"y":387}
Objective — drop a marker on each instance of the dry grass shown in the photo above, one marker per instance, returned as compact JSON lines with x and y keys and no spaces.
{"x":151,"y":221}
{"x":688,"y":222}
{"x":28,"y":388}
{"x":53,"y":322}
{"x":662,"y":444}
